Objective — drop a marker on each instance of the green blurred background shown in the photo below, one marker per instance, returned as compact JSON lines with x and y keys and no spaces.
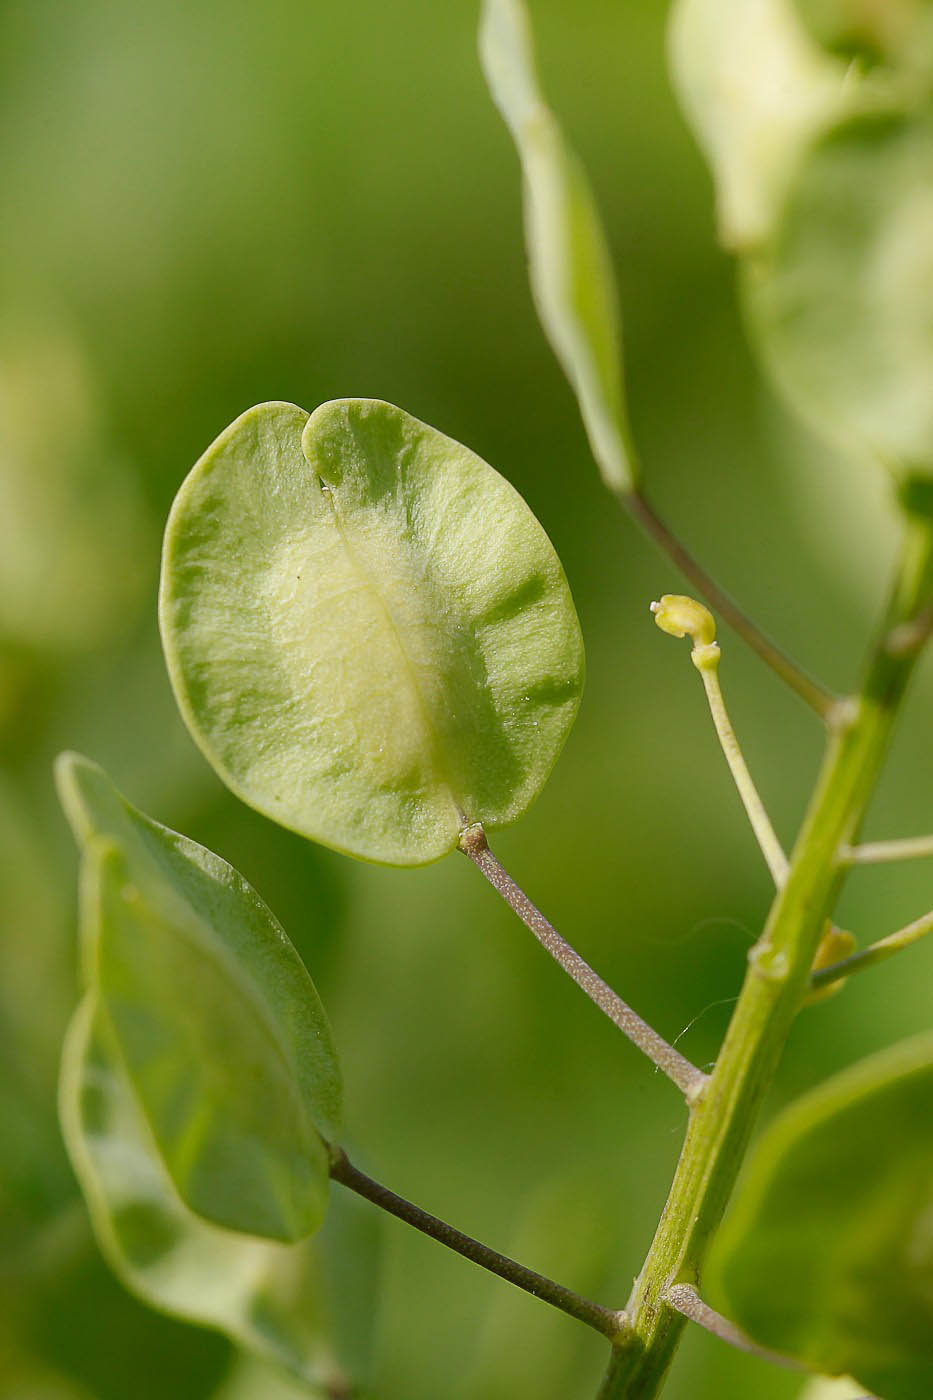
{"x":206,"y":205}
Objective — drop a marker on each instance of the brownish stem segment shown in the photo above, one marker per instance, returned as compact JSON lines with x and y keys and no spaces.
{"x":686,"y":1076}
{"x":816,"y":696}
{"x":689,"y":1304}
{"x":604,"y":1320}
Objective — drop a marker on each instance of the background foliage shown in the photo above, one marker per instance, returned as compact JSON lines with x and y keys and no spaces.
{"x":207,"y":206}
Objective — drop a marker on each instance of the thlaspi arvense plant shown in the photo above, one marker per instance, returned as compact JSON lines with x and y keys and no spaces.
{"x":373,"y":643}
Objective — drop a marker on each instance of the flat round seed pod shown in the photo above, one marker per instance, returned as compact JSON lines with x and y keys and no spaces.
{"x":369,"y":634}
{"x":841,"y":302}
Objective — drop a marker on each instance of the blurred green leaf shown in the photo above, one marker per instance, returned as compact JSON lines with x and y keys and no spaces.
{"x":369,"y":634}
{"x":754,"y":88}
{"x":827,"y":1253}
{"x":888,"y":31}
{"x":37,"y":1382}
{"x":568,"y":255}
{"x":255,"y":1380}
{"x":833,"y":1388}
{"x":275,"y":1300}
{"x":842,"y":300}
{"x":218,"y":1024}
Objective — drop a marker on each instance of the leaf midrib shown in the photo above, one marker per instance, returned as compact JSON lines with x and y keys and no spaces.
{"x":411,"y":670}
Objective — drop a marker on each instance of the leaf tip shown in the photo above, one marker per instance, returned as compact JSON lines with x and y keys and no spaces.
{"x":71,"y":772}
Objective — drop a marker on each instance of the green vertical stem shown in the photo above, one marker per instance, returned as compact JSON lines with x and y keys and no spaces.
{"x":779,"y":967}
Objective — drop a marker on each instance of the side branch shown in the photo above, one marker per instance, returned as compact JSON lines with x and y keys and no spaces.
{"x":811,"y":691}
{"x":604,"y":1320}
{"x":688,"y":1302}
{"x":771,"y":848}
{"x":680,"y":616}
{"x":874,"y":953}
{"x":881,"y":852}
{"x":686,"y":1076}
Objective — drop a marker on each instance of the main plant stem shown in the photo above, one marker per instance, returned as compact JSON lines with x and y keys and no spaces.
{"x":779,"y":966}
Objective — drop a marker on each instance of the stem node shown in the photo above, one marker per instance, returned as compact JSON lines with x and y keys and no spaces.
{"x":473,"y":841}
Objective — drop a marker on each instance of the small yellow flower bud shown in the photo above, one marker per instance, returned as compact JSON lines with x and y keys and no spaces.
{"x":682,"y":616}
{"x":835,"y":944}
